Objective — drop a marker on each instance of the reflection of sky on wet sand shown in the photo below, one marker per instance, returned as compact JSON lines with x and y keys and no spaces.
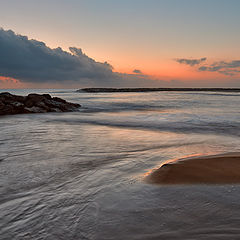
{"x":170,"y":161}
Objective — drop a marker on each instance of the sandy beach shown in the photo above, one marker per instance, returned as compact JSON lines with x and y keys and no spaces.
{"x":214,"y":169}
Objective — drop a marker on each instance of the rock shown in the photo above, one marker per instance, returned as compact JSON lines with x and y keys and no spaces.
{"x":34,"y":103}
{"x":47,"y":96}
{"x":6,"y":95}
{"x":59,"y":99}
{"x":1,"y":104}
{"x":17,"y":104}
{"x":34,"y":110}
{"x":32,"y":99}
{"x":7,"y":109}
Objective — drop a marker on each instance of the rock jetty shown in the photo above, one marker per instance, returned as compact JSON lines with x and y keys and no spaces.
{"x":111,"y":90}
{"x":34,"y":103}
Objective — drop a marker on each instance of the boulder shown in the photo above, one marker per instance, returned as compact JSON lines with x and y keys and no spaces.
{"x":34,"y":103}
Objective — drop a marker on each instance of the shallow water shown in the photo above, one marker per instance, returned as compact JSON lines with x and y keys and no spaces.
{"x":80,"y":175}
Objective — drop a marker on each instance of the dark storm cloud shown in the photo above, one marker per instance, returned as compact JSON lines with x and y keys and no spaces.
{"x":137,"y":71}
{"x":32,"y":61}
{"x":227,"y":68}
{"x":191,"y":62}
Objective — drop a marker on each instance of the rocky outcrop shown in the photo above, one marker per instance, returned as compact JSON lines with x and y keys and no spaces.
{"x":34,"y":103}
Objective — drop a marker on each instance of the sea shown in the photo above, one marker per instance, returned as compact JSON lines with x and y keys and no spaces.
{"x":80,"y":175}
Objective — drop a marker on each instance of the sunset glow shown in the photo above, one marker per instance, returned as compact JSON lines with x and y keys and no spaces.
{"x":145,"y":35}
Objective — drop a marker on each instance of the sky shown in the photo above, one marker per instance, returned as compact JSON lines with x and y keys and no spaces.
{"x":132,"y":43}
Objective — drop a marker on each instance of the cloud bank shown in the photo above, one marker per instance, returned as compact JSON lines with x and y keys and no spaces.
{"x":227,"y":68}
{"x":32,"y":61}
{"x":191,"y":62}
{"x":230,"y":68}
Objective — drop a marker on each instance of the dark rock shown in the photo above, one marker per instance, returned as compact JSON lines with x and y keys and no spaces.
{"x":43,"y":105}
{"x":34,"y":103}
{"x":52,"y":103}
{"x":59,"y":99}
{"x":47,"y":96}
{"x":34,"y":109}
{"x":6,"y":95}
{"x":20,"y":98}
{"x":1,"y":104}
{"x":35,"y":97}
{"x":8,"y":109}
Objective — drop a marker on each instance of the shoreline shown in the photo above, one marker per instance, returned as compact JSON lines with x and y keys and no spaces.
{"x":213,"y":169}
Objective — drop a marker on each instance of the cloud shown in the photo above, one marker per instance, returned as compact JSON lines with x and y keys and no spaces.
{"x":231,"y":68}
{"x":7,"y":79}
{"x":191,"y":62}
{"x":32,"y":61}
{"x":137,"y":71}
{"x":6,"y":82}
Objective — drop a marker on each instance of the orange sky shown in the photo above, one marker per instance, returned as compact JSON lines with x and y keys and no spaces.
{"x":144,"y":35}
{"x":153,"y":66}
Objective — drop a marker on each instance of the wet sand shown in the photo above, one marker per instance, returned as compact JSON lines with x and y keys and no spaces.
{"x":215,"y":169}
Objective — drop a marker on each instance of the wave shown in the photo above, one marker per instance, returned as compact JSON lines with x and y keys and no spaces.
{"x":217,"y":128}
{"x":126,"y":107}
{"x":212,"y":94}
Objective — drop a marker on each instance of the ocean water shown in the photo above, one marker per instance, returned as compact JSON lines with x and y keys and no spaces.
{"x":80,"y":175}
